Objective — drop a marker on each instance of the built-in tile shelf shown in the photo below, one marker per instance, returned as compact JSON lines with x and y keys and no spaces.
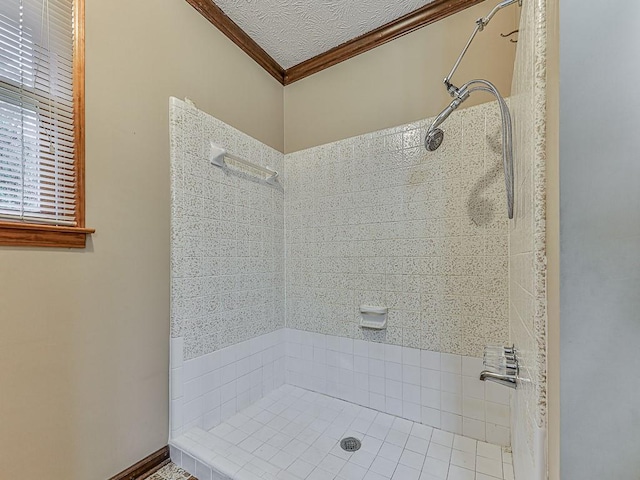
{"x":438,"y":390}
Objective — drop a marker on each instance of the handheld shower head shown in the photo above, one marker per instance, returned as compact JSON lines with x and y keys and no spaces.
{"x":435,"y":135}
{"x":433,"y":139}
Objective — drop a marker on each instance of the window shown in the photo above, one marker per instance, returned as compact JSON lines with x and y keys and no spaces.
{"x":42,"y":123}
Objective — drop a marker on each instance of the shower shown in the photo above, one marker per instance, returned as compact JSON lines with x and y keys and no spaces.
{"x":435,"y":135}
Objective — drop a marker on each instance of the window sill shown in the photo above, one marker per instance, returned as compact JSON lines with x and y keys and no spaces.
{"x":33,"y":235}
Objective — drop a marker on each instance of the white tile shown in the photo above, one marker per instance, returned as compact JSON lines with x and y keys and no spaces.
{"x":451,"y":403}
{"x":282,"y":459}
{"x":430,"y":398}
{"x":412,"y":411}
{"x":451,"y":422}
{"x":463,"y":459}
{"x":393,"y":371}
{"x":496,"y":393}
{"x":439,"y":452}
{"x":498,"y":434}
{"x":473,"y":387}
{"x":376,"y":351}
{"x":374,"y":476}
{"x":352,"y":471}
{"x":430,"y":360}
{"x":431,"y":417}
{"x":497,"y":413}
{"x":411,"y":356}
{"x":332,"y":464}
{"x":436,"y":468}
{"x":411,"y":393}
{"x":397,"y":437}
{"x":320,"y":474}
{"x":362,"y":458}
{"x":507,"y":471}
{"x":442,"y":438}
{"x":406,"y":473}
{"x":464,"y":444}
{"x":189,"y":463}
{"x":417,"y":444}
{"x":411,"y":374}
{"x":393,"y":353}
{"x":489,"y":466}
{"x":472,"y":366}
{"x":203,"y":472}
{"x":390,"y":451}
{"x":489,"y":451}
{"x":176,"y":383}
{"x":421,"y":431}
{"x":176,"y":346}
{"x":451,"y":383}
{"x":431,"y":378}
{"x":451,"y":363}
{"x":412,"y":459}
{"x":473,"y":408}
{"x":383,"y":466}
{"x":402,"y":425}
{"x":361,"y":348}
{"x":457,"y":473}
{"x":394,"y":406}
{"x":473,"y":428}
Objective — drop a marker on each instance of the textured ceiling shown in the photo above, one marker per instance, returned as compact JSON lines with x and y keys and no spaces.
{"x":292,"y":31}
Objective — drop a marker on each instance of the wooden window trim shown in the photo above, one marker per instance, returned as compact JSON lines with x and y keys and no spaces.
{"x":35,"y":235}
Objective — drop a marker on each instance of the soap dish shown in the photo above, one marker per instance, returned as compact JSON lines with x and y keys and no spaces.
{"x":373,"y":317}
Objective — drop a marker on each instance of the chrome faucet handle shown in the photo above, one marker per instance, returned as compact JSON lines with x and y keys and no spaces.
{"x":502,"y":363}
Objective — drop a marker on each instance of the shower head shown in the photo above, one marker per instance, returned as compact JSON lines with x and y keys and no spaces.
{"x":435,"y":135}
{"x":433,"y":140}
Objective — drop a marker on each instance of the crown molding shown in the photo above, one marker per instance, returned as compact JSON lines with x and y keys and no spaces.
{"x":209,"y":10}
{"x":430,"y":13}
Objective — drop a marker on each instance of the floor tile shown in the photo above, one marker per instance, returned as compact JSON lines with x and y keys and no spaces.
{"x":294,"y":434}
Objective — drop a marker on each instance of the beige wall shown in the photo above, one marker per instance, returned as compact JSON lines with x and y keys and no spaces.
{"x":399,"y":82}
{"x":84,"y":335}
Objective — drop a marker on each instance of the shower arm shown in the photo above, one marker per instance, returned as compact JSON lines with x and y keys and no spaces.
{"x":480,"y":24}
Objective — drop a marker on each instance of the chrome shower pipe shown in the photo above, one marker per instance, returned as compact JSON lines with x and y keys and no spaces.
{"x":480,"y":24}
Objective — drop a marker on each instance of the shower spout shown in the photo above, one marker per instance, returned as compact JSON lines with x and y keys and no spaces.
{"x":503,"y":379}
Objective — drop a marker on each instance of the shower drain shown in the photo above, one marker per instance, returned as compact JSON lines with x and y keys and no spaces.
{"x":350,"y":444}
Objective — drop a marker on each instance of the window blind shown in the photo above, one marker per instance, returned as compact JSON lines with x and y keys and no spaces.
{"x":37,"y":137}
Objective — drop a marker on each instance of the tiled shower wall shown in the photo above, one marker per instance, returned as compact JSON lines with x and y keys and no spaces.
{"x":528,"y":316}
{"x":369,"y":220}
{"x":441,"y":390}
{"x":377,"y":220}
{"x":227,"y":237}
{"x":227,"y":272}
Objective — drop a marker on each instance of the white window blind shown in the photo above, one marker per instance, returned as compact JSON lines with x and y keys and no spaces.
{"x":37,"y":145}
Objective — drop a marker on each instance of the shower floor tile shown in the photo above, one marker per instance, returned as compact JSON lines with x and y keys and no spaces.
{"x":294,"y":434}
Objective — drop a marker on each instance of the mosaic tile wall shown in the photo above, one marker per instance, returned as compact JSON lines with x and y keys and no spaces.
{"x":528,"y":317}
{"x":377,"y":220}
{"x":227,"y":236}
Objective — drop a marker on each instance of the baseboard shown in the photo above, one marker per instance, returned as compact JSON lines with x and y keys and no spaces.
{"x":146,"y":466}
